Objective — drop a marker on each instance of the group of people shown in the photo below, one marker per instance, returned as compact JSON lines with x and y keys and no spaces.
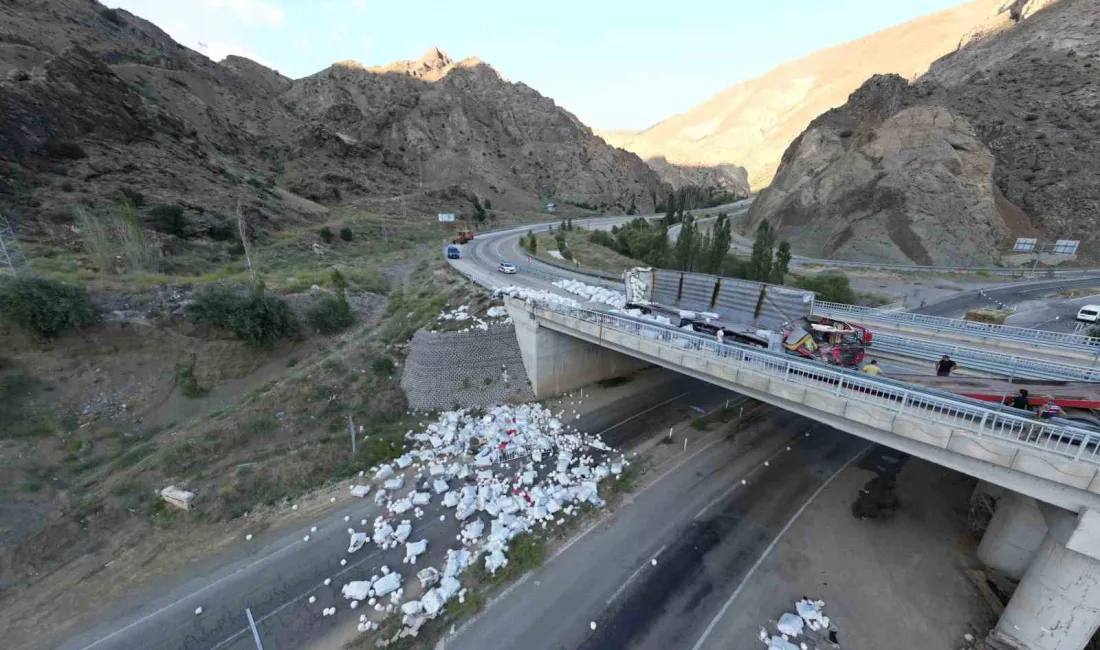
{"x":943,"y":367}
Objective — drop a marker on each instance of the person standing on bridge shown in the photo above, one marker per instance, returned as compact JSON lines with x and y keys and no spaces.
{"x":872,"y":368}
{"x":1020,"y":401}
{"x":944,"y":366}
{"x":721,"y":334}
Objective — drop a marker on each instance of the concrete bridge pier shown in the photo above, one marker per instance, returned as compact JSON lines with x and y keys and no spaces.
{"x":1014,"y":534}
{"x":1057,"y":604}
{"x":557,"y":363}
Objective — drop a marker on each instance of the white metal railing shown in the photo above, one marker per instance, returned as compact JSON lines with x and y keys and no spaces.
{"x":939,"y":324}
{"x":971,"y":358}
{"x":938,"y":407}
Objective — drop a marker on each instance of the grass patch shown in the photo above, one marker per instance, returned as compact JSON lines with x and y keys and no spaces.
{"x":24,"y":417}
{"x":585,"y":252}
{"x":627,"y":480}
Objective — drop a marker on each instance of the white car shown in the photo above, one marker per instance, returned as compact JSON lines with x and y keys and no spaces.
{"x":507,"y":267}
{"x":1089,"y":314}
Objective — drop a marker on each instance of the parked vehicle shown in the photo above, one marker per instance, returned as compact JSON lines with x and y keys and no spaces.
{"x":453,"y":253}
{"x":463,"y":236}
{"x":507,"y":267}
{"x":1089,"y":314}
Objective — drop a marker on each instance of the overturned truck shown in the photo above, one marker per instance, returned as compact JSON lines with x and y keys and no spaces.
{"x":751,"y":313}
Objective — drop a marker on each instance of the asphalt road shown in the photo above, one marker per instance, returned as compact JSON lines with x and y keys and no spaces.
{"x":702,"y":525}
{"x":1010,"y":295}
{"x":277,"y":579}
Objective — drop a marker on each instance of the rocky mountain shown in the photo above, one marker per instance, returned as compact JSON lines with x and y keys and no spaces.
{"x":97,"y":101}
{"x":751,"y":123}
{"x":996,"y":141}
{"x":731,"y":178}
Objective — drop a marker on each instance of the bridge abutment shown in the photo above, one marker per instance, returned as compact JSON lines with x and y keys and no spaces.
{"x":557,"y":363}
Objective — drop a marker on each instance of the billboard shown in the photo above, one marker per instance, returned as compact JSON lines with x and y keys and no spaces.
{"x":1024,"y":245}
{"x":1066,"y":246}
{"x":443,"y":216}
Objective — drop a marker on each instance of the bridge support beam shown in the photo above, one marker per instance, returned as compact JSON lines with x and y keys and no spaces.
{"x":557,"y":363}
{"x":1014,"y":535}
{"x":1057,"y":605}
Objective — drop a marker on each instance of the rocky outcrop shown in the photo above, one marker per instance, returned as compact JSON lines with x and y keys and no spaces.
{"x":96,"y":102}
{"x":729,"y":178}
{"x":884,"y":180}
{"x":995,"y":142}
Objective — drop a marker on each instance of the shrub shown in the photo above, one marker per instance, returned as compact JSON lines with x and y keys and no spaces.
{"x":169,"y":219}
{"x":830,"y":287}
{"x":112,"y":16}
{"x":383,"y":366}
{"x":345,"y":233}
{"x":223,"y":231}
{"x":257,"y":318}
{"x":325,"y":234}
{"x":62,"y":149}
{"x":44,"y":307}
{"x":1093,"y":331}
{"x":136,"y":198}
{"x":330,"y":314}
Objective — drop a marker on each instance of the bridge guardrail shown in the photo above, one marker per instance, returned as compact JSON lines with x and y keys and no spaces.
{"x":938,"y":407}
{"x":939,"y":324}
{"x":987,"y":361}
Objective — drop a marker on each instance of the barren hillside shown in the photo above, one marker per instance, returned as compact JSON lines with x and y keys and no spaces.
{"x":751,"y":123}
{"x":98,"y":101}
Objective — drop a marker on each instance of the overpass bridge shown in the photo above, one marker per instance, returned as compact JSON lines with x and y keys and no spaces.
{"x":1054,"y":608}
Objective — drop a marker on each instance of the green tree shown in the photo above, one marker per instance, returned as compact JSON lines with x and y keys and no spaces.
{"x":760,"y":264}
{"x":830,"y":287}
{"x":719,"y":244}
{"x":782,"y":262}
{"x":686,"y":245}
{"x":670,"y":210}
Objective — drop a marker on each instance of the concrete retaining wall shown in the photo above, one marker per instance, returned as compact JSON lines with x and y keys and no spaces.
{"x":464,"y":369}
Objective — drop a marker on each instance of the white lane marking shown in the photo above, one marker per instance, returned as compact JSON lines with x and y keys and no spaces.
{"x":191,"y":595}
{"x":648,"y":562}
{"x":768,"y":550}
{"x":782,"y":449}
{"x":241,"y":632}
{"x":638,"y":415}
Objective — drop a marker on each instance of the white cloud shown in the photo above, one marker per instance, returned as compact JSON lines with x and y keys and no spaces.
{"x":361,"y":5}
{"x":303,"y":45}
{"x":218,"y":50}
{"x":251,"y":12}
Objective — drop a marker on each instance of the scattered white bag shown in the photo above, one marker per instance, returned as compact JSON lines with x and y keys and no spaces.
{"x":357,"y":542}
{"x":790,"y":624}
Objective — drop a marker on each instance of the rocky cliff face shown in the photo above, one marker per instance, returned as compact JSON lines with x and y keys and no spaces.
{"x":98,"y":101}
{"x":993,"y":143}
{"x":731,"y":178}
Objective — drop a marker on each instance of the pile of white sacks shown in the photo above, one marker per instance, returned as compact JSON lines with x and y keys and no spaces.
{"x":462,"y":314}
{"x":514,"y":467}
{"x":535,"y":295}
{"x":616,"y":299}
{"x":809,"y":629}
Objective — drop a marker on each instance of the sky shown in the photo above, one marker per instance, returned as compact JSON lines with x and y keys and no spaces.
{"x":615,"y":64}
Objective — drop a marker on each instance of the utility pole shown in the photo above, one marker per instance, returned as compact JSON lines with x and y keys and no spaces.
{"x":11,"y":253}
{"x":351,"y":432}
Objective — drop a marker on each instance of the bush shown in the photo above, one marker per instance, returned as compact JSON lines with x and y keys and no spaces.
{"x":136,"y":198}
{"x":44,"y":307}
{"x":112,"y":16}
{"x":345,"y":233}
{"x":169,"y":219}
{"x":257,"y":318}
{"x":330,"y":314}
{"x":325,"y":234}
{"x":62,"y":149}
{"x":383,"y":366}
{"x":1093,"y":331}
{"x":830,"y":287}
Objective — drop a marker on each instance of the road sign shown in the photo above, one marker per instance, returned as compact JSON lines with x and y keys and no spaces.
{"x":443,"y":216}
{"x":1024,"y":245}
{"x":1066,"y":246}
